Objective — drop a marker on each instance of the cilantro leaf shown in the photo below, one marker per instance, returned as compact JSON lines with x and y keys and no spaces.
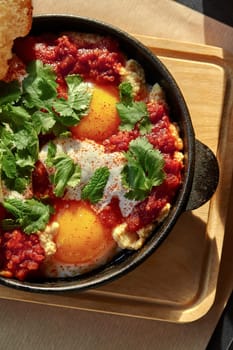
{"x":26,"y":138}
{"x":79,"y":93}
{"x":8,"y":165}
{"x":19,"y":149}
{"x":145,"y":125}
{"x":144,"y":169}
{"x":43,"y":122}
{"x":31,"y":215}
{"x":6,"y":137}
{"x":77,"y":103}
{"x":60,"y":130}
{"x":126,"y":93}
{"x":9,"y":92}
{"x":39,"y":86}
{"x":93,"y":190}
{"x":20,"y":183}
{"x":132,"y":112}
{"x":15,"y":116}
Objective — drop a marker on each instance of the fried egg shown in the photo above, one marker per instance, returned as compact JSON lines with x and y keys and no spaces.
{"x":102,"y":120}
{"x":82,"y":240}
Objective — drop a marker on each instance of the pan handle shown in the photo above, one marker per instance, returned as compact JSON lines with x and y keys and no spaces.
{"x":206,"y":176}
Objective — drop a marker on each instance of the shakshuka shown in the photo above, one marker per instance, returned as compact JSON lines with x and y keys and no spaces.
{"x":90,"y":160}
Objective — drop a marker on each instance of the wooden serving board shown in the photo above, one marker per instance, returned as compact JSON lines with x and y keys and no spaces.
{"x":178,"y":282}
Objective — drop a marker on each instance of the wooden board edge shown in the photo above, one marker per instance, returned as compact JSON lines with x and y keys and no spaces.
{"x":194,"y":49}
{"x":164,"y":46}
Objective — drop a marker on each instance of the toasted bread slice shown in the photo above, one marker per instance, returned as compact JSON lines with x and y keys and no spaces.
{"x":15,"y":21}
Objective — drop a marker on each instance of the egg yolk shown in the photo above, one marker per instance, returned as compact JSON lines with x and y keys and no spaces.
{"x":81,"y":238}
{"x":102,"y":120}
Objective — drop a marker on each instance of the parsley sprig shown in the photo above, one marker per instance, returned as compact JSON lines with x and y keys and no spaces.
{"x":144,"y":169}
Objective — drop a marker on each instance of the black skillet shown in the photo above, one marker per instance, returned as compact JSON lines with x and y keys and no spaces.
{"x":201,"y":169}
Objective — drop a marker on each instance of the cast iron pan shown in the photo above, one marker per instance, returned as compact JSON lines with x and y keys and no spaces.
{"x":201,"y":168}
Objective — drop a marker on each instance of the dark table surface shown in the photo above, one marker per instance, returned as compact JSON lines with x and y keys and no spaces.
{"x":221,"y":10}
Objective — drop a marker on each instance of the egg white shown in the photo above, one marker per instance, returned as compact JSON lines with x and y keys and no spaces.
{"x":91,"y":156}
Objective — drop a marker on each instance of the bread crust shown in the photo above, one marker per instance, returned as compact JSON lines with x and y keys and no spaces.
{"x":15,"y":21}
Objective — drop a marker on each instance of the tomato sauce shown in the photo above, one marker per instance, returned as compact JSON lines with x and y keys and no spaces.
{"x":99,"y":62}
{"x":41,"y":185}
{"x":20,"y":254}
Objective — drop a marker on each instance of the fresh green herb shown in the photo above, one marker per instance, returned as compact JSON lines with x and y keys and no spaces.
{"x":132,"y":112}
{"x":30,"y":215}
{"x":43,"y":122}
{"x":66,"y":173}
{"x":39,"y":86}
{"x":79,"y":98}
{"x":126,"y":93}
{"x":49,"y":111}
{"x":26,"y":111}
{"x":14,"y":116}
{"x":18,"y":154}
{"x":51,"y":154}
{"x":33,"y":109}
{"x":94,"y":189}
{"x":143,"y":170}
{"x":10,"y":92}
